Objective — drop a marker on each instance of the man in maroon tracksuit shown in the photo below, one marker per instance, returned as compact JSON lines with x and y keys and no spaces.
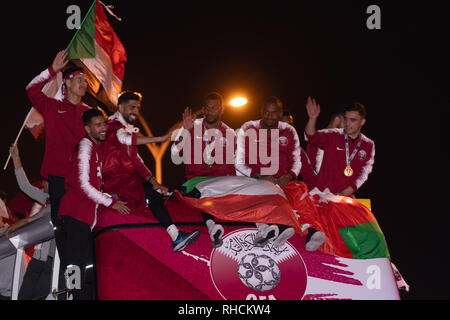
{"x":209,"y":151}
{"x":270,"y":149}
{"x":126,"y":175}
{"x":78,"y":209}
{"x":63,"y":129}
{"x":348,"y":154}
{"x":314,"y":153}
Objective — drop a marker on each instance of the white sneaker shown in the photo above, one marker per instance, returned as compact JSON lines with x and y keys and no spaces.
{"x":215,"y":233}
{"x":316,"y":240}
{"x":283,"y":237}
{"x":261,"y":226}
{"x":267,"y":234}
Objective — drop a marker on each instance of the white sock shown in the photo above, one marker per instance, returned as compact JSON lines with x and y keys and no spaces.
{"x":173,"y":232}
{"x":210,"y":223}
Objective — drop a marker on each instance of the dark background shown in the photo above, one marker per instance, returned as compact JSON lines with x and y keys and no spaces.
{"x":178,"y":51}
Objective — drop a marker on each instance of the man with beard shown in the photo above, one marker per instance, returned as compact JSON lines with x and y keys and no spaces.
{"x":348,"y":154}
{"x":124,"y":170}
{"x":214,"y":155}
{"x":79,"y":204}
{"x":285,"y":165}
{"x":63,"y":129}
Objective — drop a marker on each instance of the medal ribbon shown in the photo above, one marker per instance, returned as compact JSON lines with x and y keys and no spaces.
{"x":347,"y":158}
{"x":209,"y":147}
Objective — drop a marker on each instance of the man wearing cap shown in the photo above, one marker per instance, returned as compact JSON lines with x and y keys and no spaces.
{"x":63,"y":128}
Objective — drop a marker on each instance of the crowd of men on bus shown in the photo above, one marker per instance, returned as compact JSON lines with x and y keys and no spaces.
{"x":93,"y":161}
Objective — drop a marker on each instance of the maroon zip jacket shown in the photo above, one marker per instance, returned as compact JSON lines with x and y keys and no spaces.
{"x":331,"y":174}
{"x":224,"y":143}
{"x":83,"y":184}
{"x":251,"y":140}
{"x":63,"y":125}
{"x":123,"y":168}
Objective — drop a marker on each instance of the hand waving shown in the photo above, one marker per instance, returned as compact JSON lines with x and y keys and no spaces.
{"x":60,"y":60}
{"x":188,"y":120}
{"x":312,"y":107}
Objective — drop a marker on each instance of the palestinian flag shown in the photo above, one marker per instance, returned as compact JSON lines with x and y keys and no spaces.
{"x":233,"y":198}
{"x":97,"y":48}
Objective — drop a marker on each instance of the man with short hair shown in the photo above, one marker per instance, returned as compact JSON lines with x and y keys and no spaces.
{"x":216,"y":142}
{"x":79,"y":205}
{"x":63,"y":129}
{"x":124,"y":170}
{"x":288,"y":162}
{"x":348,"y":154}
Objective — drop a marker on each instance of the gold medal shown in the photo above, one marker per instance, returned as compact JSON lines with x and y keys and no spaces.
{"x":208,"y":163}
{"x":348,"y":171}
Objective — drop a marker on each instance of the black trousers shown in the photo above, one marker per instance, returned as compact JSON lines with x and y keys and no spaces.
{"x":155,"y":202}
{"x":36,"y":282}
{"x":56,"y":192}
{"x":207,"y":216}
{"x":79,"y":252}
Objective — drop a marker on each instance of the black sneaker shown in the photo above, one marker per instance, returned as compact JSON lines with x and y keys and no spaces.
{"x":184,"y":239}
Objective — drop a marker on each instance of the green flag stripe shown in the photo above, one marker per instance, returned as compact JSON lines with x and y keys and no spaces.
{"x":82,"y":44}
{"x":190,"y":184}
{"x":365,"y":241}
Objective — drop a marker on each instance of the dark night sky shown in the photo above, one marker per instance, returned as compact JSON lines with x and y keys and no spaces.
{"x":178,"y":51}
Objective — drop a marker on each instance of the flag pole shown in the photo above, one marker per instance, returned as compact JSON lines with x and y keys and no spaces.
{"x":17,"y":138}
{"x":82,"y":22}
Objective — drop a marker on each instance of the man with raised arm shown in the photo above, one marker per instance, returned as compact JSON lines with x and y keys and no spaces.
{"x":63,"y":128}
{"x":348,"y":154}
{"x":215,"y":152}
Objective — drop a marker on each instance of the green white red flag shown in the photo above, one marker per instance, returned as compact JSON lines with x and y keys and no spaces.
{"x":99,"y":51}
{"x":245,"y":199}
{"x":351,"y":229}
{"x":98,"y":48}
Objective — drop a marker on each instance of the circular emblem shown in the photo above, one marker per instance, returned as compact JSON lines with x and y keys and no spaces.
{"x":241,"y":271}
{"x":361,"y":154}
{"x":283,"y":141}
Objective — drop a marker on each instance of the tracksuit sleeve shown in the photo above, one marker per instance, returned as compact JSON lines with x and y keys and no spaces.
{"x":242,"y":168}
{"x":295,"y":163}
{"x":318,"y":139}
{"x":34,"y":90}
{"x":84,"y":159}
{"x":361,"y":177}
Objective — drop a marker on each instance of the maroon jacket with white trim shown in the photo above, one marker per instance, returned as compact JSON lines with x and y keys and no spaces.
{"x":222,"y":150}
{"x":63,"y":125}
{"x":83,"y":184}
{"x":331,"y":174}
{"x":123,"y":168}
{"x":290,"y":155}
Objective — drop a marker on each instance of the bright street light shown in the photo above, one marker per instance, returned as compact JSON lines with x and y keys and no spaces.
{"x":238,"y":102}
